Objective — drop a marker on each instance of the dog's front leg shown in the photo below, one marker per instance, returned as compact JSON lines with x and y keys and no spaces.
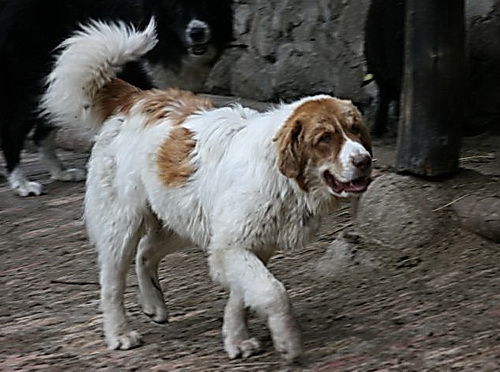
{"x":237,"y":341}
{"x":252,"y":285}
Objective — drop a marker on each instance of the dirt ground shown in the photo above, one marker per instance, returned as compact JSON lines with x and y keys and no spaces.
{"x":435,"y":308}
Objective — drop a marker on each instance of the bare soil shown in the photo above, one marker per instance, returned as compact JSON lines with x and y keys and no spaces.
{"x":373,"y":308}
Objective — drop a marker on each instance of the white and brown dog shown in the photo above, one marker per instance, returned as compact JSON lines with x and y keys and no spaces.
{"x":169,"y":170}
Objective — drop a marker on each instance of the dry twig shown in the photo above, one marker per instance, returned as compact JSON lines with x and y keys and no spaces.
{"x":450,"y":203}
{"x":73,"y":282}
{"x":489,"y":156}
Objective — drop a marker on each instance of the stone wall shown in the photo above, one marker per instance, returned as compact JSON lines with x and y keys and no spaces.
{"x":290,"y":48}
{"x":293,"y":48}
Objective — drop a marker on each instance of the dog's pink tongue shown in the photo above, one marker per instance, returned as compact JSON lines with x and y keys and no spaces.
{"x":358,"y":185}
{"x":354,"y":186}
{"x":338,"y":186}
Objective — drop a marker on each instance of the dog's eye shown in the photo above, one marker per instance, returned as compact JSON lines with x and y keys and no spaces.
{"x":355,"y":129}
{"x":326,"y":138}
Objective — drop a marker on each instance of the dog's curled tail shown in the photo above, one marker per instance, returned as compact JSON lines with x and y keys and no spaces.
{"x":89,"y":60}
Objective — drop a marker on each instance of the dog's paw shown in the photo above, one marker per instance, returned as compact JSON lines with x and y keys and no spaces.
{"x":243,"y":349}
{"x":28,"y":189}
{"x":158,"y":314}
{"x":69,"y":175}
{"x":22,"y":186}
{"x":125,"y":341}
{"x":291,"y":350}
{"x":286,"y":336}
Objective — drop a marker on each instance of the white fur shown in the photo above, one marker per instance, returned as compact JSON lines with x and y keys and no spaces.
{"x":103,"y":49}
{"x":236,"y":204}
{"x":22,"y":185}
{"x":349,"y":150}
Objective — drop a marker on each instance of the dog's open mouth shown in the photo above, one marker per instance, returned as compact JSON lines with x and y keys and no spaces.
{"x":357,"y":185}
{"x":198,"y":49}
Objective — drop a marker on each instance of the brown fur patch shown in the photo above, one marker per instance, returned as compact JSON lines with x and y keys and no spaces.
{"x":175,"y":154}
{"x":176,"y":105}
{"x":314,"y":132}
{"x":115,"y":96}
{"x":175,"y":157}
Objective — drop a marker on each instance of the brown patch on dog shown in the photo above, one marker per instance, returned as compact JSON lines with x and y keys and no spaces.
{"x":314,"y":133}
{"x":175,"y":154}
{"x":116,"y":96}
{"x":176,"y":105}
{"x":358,"y":132}
{"x":175,"y":157}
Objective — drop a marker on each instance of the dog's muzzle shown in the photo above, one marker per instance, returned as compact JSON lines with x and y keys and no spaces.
{"x":360,"y":178}
{"x":198,"y":36}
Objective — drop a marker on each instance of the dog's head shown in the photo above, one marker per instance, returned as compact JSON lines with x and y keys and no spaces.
{"x":202,"y":27}
{"x":324,"y":145}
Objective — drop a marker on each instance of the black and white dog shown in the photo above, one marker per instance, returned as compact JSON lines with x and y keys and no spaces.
{"x":191,"y":33}
{"x":384,"y":52}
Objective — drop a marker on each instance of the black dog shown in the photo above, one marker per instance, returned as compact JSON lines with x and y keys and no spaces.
{"x":191,"y":33}
{"x":384,"y":52}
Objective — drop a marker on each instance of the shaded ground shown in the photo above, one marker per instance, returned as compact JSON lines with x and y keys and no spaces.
{"x":436,"y":308}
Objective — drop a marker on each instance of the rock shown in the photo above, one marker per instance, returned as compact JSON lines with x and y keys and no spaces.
{"x":345,"y":252}
{"x":480,"y":215}
{"x":290,"y":67}
{"x":250,"y":78}
{"x":397,"y":213}
{"x":295,"y":48}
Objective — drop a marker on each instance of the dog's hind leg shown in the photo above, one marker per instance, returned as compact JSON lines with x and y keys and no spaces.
{"x":152,"y":248}
{"x":251,"y":284}
{"x":116,"y":253}
{"x":12,"y":141}
{"x":44,"y":138}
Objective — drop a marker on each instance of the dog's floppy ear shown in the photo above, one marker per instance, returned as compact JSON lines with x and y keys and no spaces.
{"x":289,"y":154}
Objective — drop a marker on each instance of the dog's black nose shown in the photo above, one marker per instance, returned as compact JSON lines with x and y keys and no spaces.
{"x":362,"y":161}
{"x":198,"y":34}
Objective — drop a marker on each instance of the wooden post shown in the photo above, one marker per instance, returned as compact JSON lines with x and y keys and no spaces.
{"x":432,"y":110}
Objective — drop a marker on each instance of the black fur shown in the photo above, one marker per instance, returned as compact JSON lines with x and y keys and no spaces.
{"x":384,"y":52}
{"x":30,"y":30}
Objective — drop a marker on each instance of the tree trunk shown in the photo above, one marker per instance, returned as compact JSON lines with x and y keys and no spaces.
{"x":432,"y":110}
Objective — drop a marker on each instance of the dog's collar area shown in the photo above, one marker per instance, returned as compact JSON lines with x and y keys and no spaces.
{"x":355,"y":186}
